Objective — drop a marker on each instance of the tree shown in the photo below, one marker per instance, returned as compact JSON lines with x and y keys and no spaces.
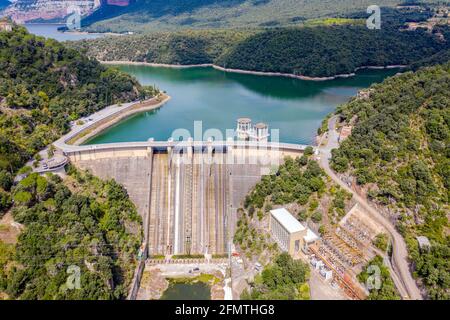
{"x":6,"y":180}
{"x":283,"y":280}
{"x":381,"y":241}
{"x":387,"y":290}
{"x":309,"y":151}
{"x":316,"y":216}
{"x":85,"y":228}
{"x":5,"y":201}
{"x":22,"y":198}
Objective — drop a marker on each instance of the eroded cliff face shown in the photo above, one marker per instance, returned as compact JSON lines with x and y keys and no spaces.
{"x":22,"y":11}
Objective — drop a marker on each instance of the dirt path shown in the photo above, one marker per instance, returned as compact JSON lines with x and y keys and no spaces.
{"x":9,"y":229}
{"x":400,"y":265}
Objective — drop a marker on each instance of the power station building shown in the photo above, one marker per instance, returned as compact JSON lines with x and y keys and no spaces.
{"x":245,"y":131}
{"x":288,"y":232}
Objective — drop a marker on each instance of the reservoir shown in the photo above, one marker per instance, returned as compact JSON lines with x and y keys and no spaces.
{"x":216,"y":98}
{"x":51,"y":31}
{"x":187,"y":291}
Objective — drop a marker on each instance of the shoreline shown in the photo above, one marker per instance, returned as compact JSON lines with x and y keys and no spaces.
{"x":258,"y":73}
{"x":91,"y":130}
{"x":76,"y":32}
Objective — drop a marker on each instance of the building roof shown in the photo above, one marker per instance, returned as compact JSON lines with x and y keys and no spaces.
{"x":260,"y":125}
{"x":310,"y":236}
{"x":423,"y":241}
{"x":287,"y":220}
{"x":244,"y":120}
{"x":345,"y":132}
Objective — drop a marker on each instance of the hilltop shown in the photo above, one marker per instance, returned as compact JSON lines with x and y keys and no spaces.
{"x":43,"y":87}
{"x":79,"y":223}
{"x":151,"y":15}
{"x":320,"y":51}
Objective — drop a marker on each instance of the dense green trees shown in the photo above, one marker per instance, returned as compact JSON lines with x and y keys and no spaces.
{"x":320,"y":51}
{"x":44,"y":86}
{"x":177,"y":47}
{"x":400,"y":137}
{"x":146,"y":15}
{"x":282,"y":280}
{"x":433,"y":266}
{"x":399,"y":151}
{"x":292,"y":183}
{"x":381,"y":241}
{"x":382,"y":286}
{"x":82,"y":222}
{"x":329,"y":51}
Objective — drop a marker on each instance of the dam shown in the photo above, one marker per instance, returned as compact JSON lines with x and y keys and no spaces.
{"x":189,"y":207}
{"x":186,"y":192}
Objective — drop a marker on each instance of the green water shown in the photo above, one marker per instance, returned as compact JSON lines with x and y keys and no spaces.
{"x":217,"y":98}
{"x":187,"y":291}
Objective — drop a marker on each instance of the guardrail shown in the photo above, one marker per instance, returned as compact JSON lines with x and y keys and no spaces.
{"x":180,"y":145}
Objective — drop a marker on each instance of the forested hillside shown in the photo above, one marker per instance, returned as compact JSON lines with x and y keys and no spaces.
{"x":44,"y":86}
{"x":285,"y":279}
{"x":327,"y":51}
{"x":151,"y":15}
{"x":180,"y":47}
{"x":80,"y":226}
{"x":310,"y":51}
{"x":399,"y":153}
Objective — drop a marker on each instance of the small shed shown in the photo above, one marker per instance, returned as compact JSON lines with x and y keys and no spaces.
{"x":424,"y":243}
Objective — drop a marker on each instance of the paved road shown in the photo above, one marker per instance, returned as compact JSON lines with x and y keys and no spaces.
{"x":402,"y":277}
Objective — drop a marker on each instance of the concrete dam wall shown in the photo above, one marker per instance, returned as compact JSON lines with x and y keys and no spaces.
{"x":188,"y":204}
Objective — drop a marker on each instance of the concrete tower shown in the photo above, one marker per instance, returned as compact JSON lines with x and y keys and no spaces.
{"x":244,"y":128}
{"x":260,"y":132}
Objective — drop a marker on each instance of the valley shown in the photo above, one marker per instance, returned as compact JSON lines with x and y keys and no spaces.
{"x":256,"y":157}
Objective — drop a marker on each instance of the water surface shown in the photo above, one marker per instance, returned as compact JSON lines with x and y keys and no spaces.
{"x":51,"y":31}
{"x":187,"y":291}
{"x":217,"y":98}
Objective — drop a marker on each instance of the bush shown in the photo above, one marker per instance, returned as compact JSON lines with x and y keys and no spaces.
{"x":88,"y":228}
{"x":22,"y":198}
{"x":316,"y":217}
{"x":6,"y":180}
{"x":5,"y":202}
{"x":381,"y":241}
{"x":283,"y":280}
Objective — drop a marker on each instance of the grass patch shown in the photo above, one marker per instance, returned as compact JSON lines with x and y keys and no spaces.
{"x":188,"y":256}
{"x":206,"y":278}
{"x":333,"y":22}
{"x":157,"y":257}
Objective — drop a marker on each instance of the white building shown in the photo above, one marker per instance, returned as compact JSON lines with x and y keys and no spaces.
{"x":258,"y":132}
{"x":244,"y":127}
{"x":288,"y":232}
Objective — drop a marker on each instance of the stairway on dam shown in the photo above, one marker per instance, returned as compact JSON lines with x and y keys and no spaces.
{"x":188,"y":204}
